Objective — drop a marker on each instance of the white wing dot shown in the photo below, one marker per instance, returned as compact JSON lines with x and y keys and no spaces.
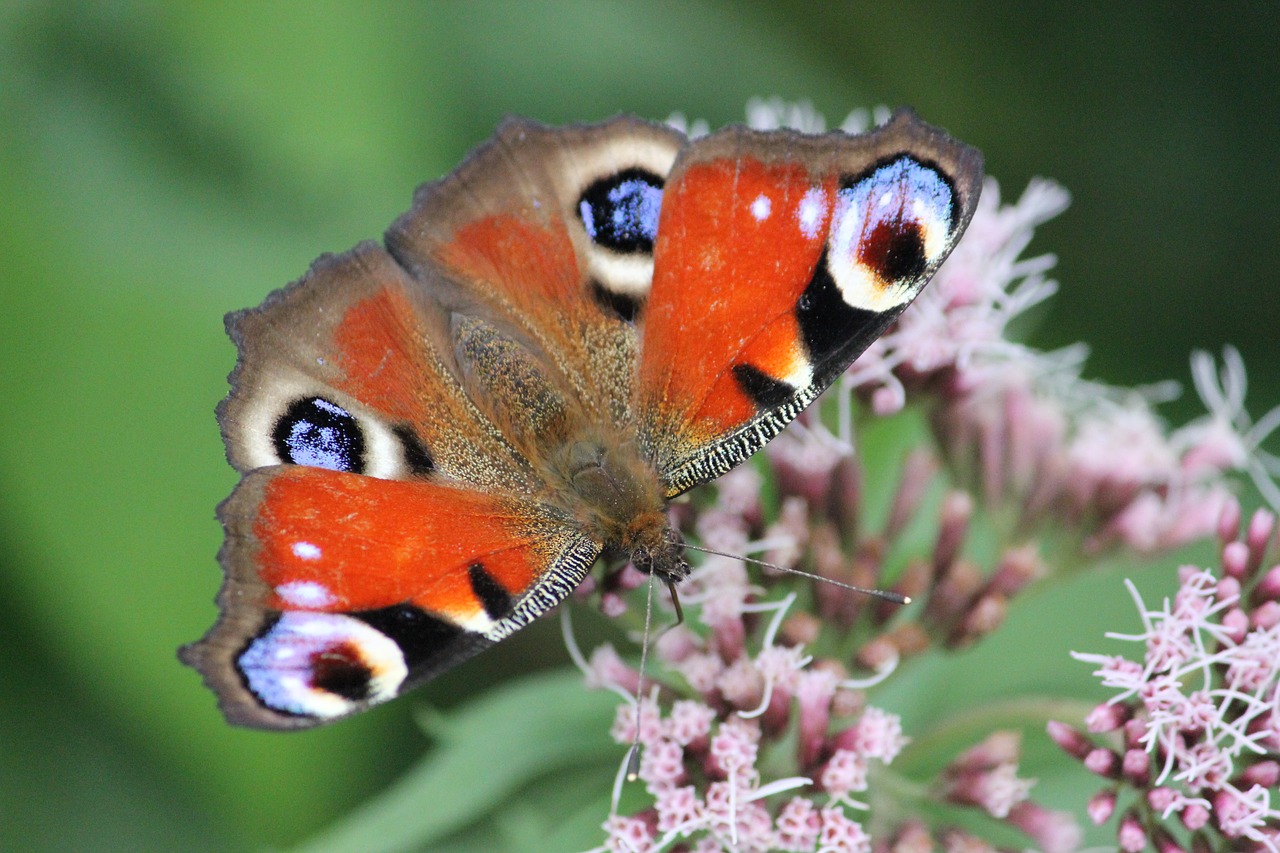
{"x":306,"y":551}
{"x":306,"y":594}
{"x":812,"y":210}
{"x":761,"y":207}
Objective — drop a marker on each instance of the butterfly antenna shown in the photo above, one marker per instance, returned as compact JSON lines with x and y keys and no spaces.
{"x":633,"y":755}
{"x":883,"y":594}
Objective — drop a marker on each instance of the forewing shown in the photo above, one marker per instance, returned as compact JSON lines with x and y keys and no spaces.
{"x":779,"y":258}
{"x":344,"y":590}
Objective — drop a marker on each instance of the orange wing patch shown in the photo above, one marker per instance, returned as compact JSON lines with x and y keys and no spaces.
{"x":737,"y":246}
{"x":336,"y":542}
{"x":503,"y":249}
{"x":382,"y":356}
{"x":387,"y":354}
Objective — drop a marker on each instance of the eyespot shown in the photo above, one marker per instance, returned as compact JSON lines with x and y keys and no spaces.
{"x":313,"y":431}
{"x":322,"y":665}
{"x":620,"y":212}
{"x":892,"y":225}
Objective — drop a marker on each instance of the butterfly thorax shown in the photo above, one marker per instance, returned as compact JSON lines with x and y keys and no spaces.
{"x":592,"y":465}
{"x":617,"y":498}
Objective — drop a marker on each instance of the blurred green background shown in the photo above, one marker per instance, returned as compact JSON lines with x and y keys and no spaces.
{"x":161,"y":164}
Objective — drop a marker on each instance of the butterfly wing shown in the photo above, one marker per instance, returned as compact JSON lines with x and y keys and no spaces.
{"x":352,"y":368}
{"x":385,"y":529}
{"x":345,"y":590}
{"x":779,"y":259}
{"x":547,"y":233}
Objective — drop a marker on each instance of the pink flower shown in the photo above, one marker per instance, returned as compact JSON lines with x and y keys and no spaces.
{"x":841,"y":835}
{"x":662,"y":765}
{"x":1201,"y":706}
{"x":1101,"y":806}
{"x":733,"y":749}
{"x":845,"y":773}
{"x":749,"y":701}
{"x":1054,"y":832}
{"x":1132,"y":837}
{"x":879,"y":735}
{"x":689,"y":723}
{"x":677,"y":808}
{"x":628,"y":834}
{"x":799,"y":823}
{"x":986,"y":776}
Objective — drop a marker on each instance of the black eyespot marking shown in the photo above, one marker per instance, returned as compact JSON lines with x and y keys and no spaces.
{"x":834,"y":331}
{"x":620,"y":212}
{"x":316,"y":432}
{"x":891,"y":209}
{"x":416,"y":457}
{"x":341,"y":670}
{"x":422,"y":638}
{"x":493,"y":596}
{"x":764,"y":390}
{"x":894,"y":249}
{"x":626,"y":307}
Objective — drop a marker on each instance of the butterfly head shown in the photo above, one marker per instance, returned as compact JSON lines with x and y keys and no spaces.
{"x":662,"y":555}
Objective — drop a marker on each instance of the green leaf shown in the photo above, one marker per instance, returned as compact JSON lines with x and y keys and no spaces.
{"x":487,"y":750}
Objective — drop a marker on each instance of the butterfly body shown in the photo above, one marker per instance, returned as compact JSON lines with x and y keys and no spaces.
{"x":440,"y":435}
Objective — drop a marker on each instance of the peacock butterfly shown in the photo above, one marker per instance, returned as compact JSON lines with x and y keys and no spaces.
{"x":440,"y":434}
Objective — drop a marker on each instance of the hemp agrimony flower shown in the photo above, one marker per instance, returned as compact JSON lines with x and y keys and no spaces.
{"x":1194,"y":731}
{"x":758,"y":718}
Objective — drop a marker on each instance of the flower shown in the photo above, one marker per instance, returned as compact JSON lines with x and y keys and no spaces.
{"x":1227,"y":438}
{"x":1194,"y":729}
{"x":756,"y":720}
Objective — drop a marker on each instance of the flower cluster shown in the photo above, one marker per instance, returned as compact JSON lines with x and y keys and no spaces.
{"x":1026,"y":430}
{"x":1195,"y":728}
{"x":702,"y":769}
{"x":751,"y":743}
{"x":717,"y":719}
{"x":755,"y":718}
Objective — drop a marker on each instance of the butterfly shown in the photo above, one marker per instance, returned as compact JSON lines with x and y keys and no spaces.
{"x":439,"y":435}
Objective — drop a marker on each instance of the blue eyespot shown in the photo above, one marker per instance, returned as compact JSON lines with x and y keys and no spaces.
{"x":895,"y":218}
{"x":891,"y":227}
{"x":620,"y":212}
{"x":321,"y":664}
{"x":316,"y":432}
